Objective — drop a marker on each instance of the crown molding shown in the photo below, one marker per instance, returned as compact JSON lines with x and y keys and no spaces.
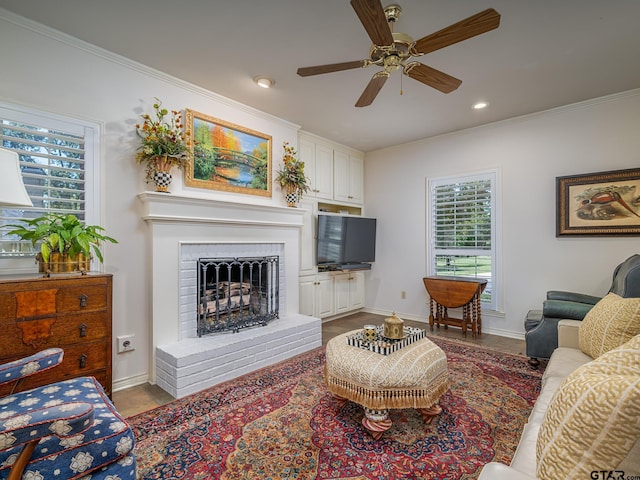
{"x":109,"y":56}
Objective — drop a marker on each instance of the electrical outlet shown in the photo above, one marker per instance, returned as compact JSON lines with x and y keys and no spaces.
{"x":403,"y":295}
{"x":125,"y":343}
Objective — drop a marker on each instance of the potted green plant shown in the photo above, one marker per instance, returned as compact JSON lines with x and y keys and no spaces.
{"x":291,"y":177}
{"x":163,"y":145}
{"x":66,"y":243}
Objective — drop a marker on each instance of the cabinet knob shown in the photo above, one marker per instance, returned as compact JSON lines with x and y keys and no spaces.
{"x":83,"y":329}
{"x":83,"y":300}
{"x":83,"y":360}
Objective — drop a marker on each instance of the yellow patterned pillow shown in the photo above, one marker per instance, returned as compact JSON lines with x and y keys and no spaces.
{"x":593,"y":420}
{"x":624,"y":360}
{"x":611,"y":322}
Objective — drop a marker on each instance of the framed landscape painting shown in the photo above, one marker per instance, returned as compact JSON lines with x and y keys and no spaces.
{"x":604,"y":203}
{"x":227,"y":156}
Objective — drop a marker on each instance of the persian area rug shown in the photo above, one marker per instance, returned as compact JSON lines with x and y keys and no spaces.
{"x":282,"y":423}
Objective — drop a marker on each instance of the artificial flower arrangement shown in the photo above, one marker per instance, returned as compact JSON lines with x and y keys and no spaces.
{"x":164,"y":141}
{"x":291,"y":177}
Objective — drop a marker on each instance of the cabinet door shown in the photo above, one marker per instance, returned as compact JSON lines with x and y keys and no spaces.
{"x":349,"y":291}
{"x":323,"y":172}
{"x":308,"y":238}
{"x":316,"y":295}
{"x":307,"y":295}
{"x":341,"y":176}
{"x":308,"y":156}
{"x":356,"y":179}
{"x":324,"y":299}
{"x":356,"y":290}
{"x":348,"y":184}
{"x":341,"y":291}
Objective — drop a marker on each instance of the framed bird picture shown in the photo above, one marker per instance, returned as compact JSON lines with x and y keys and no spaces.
{"x":604,"y":203}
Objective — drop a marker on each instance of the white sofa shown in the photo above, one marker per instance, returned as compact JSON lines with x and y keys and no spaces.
{"x":564,"y":360}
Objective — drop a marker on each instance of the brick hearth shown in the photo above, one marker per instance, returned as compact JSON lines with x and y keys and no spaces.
{"x":193,"y":364}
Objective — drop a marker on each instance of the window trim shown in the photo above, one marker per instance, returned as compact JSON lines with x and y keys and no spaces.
{"x":91,"y":132}
{"x":495,"y":176}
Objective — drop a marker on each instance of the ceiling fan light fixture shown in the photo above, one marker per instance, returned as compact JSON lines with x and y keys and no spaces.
{"x":392,"y":50}
{"x":264,"y":82}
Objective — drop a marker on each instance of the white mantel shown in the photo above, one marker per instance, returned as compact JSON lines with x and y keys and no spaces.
{"x":170,"y":208}
{"x":176,"y":220}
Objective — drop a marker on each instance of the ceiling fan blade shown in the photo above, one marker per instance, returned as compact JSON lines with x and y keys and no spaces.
{"x":374,"y":21}
{"x":432,"y":77}
{"x":373,"y":88}
{"x":477,"y":24}
{"x":333,"y":67}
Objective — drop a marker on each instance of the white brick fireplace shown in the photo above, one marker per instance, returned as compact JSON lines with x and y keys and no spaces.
{"x":183,"y":229}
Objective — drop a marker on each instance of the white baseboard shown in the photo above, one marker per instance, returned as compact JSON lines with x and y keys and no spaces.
{"x":503,"y":333}
{"x":129,"y":382}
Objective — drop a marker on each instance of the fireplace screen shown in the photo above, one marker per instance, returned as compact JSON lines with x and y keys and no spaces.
{"x":235,"y":293}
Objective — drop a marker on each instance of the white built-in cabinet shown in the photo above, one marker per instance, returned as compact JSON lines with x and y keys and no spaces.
{"x":348,"y":290}
{"x":331,"y":293}
{"x":318,"y":167}
{"x":336,"y":175}
{"x":317,"y":295}
{"x":348,"y":177}
{"x":335,"y":172}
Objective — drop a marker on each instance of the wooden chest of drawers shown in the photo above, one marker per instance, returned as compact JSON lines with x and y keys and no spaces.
{"x":72,"y":312}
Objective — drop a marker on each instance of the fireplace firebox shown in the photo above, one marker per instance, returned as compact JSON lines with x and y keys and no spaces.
{"x":236,"y":293}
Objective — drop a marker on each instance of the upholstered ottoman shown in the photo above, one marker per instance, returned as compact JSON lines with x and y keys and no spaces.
{"x":414,"y":376}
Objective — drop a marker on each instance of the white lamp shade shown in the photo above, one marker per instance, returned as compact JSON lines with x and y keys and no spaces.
{"x":12,"y":191}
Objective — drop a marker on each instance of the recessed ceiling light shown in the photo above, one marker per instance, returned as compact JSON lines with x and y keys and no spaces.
{"x":481,"y":105}
{"x":264,"y":82}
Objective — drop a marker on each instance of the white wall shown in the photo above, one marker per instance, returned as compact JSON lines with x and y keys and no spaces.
{"x":595,"y":136}
{"x":48,"y":71}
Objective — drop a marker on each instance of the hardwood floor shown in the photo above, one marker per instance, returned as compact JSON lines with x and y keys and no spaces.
{"x":145,"y":397}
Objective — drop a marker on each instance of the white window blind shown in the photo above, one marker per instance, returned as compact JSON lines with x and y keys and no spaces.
{"x":462,"y":229}
{"x":55,"y":159}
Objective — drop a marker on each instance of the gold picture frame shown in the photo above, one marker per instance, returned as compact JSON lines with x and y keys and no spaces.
{"x":227,"y":157}
{"x":603,"y":203}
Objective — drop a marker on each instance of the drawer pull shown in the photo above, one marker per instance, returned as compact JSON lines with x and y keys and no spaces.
{"x":83,"y":300}
{"x":83,"y":329}
{"x":83,"y":360}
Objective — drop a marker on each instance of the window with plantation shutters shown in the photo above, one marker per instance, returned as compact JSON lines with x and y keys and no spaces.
{"x":462,"y":225}
{"x":57,"y":157}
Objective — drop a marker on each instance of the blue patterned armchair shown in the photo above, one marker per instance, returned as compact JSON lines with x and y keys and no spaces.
{"x":65,"y":430}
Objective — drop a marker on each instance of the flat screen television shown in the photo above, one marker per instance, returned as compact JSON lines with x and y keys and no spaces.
{"x":346,"y":241}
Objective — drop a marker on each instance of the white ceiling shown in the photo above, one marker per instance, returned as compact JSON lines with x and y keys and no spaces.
{"x":545,"y":54}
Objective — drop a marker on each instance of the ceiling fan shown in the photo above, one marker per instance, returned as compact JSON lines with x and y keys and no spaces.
{"x":392,"y":51}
